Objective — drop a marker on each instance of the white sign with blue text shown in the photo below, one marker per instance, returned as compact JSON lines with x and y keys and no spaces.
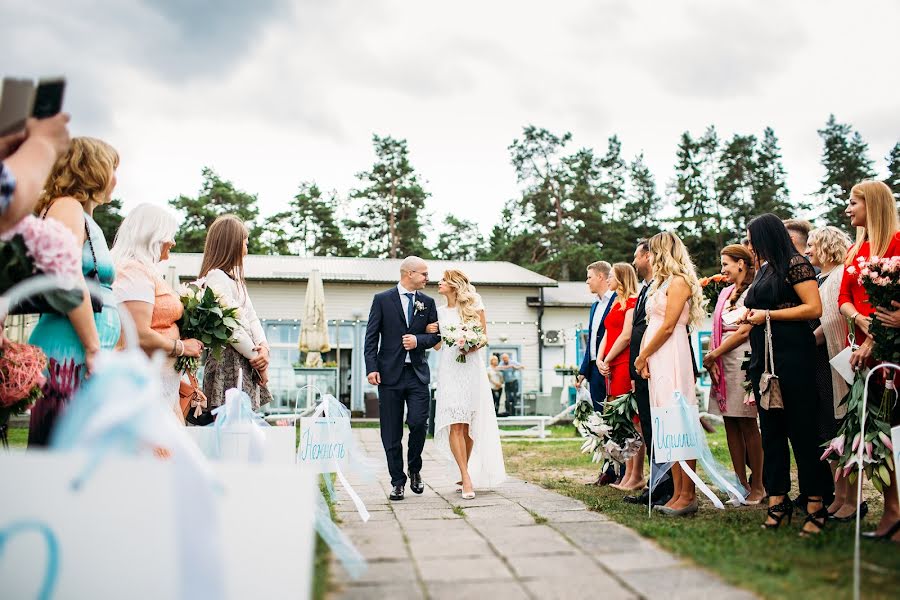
{"x":324,"y":443}
{"x":673,"y":439}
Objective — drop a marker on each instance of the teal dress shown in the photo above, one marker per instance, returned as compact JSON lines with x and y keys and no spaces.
{"x":55,"y":335}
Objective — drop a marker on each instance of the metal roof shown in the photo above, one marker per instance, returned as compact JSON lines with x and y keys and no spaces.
{"x":365,"y":270}
{"x":569,"y":293}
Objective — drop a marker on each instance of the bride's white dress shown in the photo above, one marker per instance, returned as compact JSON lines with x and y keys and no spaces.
{"x":463,"y":395}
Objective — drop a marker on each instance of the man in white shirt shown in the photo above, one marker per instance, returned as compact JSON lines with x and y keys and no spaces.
{"x":597,"y":274}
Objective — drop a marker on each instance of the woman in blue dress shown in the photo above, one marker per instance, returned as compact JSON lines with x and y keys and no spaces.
{"x":82,"y":180}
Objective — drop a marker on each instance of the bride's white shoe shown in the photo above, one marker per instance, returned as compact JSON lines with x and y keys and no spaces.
{"x":468,"y":495}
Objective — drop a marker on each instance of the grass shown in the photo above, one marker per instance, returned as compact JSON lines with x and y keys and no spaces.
{"x":458,"y":510}
{"x":774,"y":564}
{"x":365,"y":424}
{"x":555,"y":431}
{"x":538,"y":519}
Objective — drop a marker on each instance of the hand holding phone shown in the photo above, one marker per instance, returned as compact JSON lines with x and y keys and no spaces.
{"x":734,"y":316}
{"x":48,"y":98}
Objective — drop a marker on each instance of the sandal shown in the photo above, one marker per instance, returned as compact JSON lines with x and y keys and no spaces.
{"x":817,"y":518}
{"x":778,"y":512}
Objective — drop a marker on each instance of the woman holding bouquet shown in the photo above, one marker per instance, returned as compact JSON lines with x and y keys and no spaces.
{"x":145,"y":238}
{"x":873,"y":211}
{"x":613,"y":360}
{"x":82,"y":179}
{"x":222,"y":270}
{"x":465,"y":426}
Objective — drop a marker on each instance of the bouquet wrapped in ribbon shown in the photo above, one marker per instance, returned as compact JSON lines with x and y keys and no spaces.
{"x":881,"y":279}
{"x":610,"y":435}
{"x":35,"y":247}
{"x":21,"y":380}
{"x":207,"y":317}
{"x":465,"y":337}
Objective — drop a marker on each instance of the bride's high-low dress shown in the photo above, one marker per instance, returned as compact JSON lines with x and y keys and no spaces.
{"x":463,"y":395}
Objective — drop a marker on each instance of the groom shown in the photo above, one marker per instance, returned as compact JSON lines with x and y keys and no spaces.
{"x":398,"y":367}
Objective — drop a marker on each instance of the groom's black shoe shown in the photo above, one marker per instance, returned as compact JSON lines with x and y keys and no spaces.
{"x":415,"y":483}
{"x":397,"y":492}
{"x":643,"y":497}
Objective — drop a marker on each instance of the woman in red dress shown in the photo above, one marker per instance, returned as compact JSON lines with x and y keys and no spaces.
{"x":613,"y":358}
{"x":873,"y":211}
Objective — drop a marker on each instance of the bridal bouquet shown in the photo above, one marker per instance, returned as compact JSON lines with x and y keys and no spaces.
{"x":42,"y":247}
{"x":611,"y":435}
{"x":881,"y":279}
{"x":466,"y":337}
{"x":712,"y":287}
{"x":21,"y":379}
{"x":207,"y":317}
{"x":877,"y":447}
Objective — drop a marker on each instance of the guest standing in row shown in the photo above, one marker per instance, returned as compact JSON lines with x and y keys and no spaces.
{"x":248,"y":353}
{"x":785,"y":293}
{"x":872,"y":209}
{"x":82,"y":179}
{"x":730,"y":347}
{"x":145,"y":237}
{"x":675,"y":301}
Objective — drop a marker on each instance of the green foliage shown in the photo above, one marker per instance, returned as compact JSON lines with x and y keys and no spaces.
{"x":216,"y":197}
{"x":893,"y":165}
{"x":109,"y":217}
{"x":205,"y":318}
{"x":844,"y":156}
{"x":641,"y":210}
{"x":393,"y":202}
{"x":770,"y":192}
{"x":308,"y":227}
{"x":460,"y":240}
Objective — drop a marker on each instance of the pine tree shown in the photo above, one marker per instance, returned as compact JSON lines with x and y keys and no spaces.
{"x":641,"y":210}
{"x":844,"y":156}
{"x":893,"y":165}
{"x":309,"y":226}
{"x":735,"y":182}
{"x":770,"y":192}
{"x":217,"y":197}
{"x":393,"y":200}
{"x":109,"y":217}
{"x":459,"y":240}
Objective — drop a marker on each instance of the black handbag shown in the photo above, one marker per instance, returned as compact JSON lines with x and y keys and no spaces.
{"x":40,"y":304}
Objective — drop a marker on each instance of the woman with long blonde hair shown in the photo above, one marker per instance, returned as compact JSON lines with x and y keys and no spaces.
{"x":465,"y":426}
{"x":82,"y":179}
{"x":674,"y":302}
{"x":223,"y":270}
{"x":873,"y":211}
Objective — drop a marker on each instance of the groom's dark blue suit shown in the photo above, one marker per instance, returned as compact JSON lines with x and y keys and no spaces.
{"x":402,"y":383}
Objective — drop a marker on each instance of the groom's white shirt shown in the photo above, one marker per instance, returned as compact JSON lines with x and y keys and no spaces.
{"x":404,"y":302}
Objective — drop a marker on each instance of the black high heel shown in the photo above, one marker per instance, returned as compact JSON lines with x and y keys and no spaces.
{"x":778,"y":512}
{"x":863,"y":509}
{"x":891,"y":532}
{"x":817,"y":518}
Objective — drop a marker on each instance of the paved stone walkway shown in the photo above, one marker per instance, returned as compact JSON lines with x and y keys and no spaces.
{"x":519,"y":541}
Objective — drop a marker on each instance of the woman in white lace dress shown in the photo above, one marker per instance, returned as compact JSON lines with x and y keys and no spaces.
{"x":465,"y":428}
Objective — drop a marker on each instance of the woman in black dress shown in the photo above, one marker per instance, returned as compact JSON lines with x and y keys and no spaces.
{"x":785,"y":291}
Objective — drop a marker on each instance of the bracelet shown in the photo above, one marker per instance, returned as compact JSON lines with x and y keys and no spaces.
{"x":181,"y":349}
{"x":853,"y":318}
{"x":174,"y":348}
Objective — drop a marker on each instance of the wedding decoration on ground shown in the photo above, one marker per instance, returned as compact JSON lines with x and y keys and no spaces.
{"x":610,"y":436}
{"x":465,"y":336}
{"x":208,"y":318}
{"x":41,"y":247}
{"x":21,"y":380}
{"x":881,"y":279}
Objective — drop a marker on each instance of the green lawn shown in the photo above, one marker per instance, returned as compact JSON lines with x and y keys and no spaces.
{"x":774,"y":564}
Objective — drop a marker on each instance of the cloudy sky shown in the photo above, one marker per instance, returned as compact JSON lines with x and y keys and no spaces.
{"x":273,"y":92}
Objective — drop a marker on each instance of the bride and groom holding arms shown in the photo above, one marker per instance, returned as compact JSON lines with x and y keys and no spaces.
{"x":403,"y":324}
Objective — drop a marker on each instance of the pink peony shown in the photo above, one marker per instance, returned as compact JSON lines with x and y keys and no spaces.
{"x":51,"y":246}
{"x":851,"y":269}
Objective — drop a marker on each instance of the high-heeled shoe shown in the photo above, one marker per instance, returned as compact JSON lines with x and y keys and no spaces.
{"x":468,"y":495}
{"x":778,"y":512}
{"x":887,"y":535}
{"x":863,"y":509}
{"x":818,"y":520}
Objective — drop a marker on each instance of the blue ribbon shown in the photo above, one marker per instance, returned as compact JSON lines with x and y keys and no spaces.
{"x":51,"y":573}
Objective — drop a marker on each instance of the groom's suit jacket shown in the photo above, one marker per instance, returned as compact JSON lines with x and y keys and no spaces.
{"x":387,"y":324}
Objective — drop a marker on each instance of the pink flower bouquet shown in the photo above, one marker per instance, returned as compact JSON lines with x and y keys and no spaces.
{"x":881,"y":279}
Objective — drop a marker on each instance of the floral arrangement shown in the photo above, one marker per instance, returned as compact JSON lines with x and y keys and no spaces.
{"x":610,"y":436}
{"x":466,"y":337}
{"x":566,"y":369}
{"x":881,"y":279}
{"x":207,"y":317}
{"x":877,"y":447}
{"x":21,"y":380}
{"x":712,"y":287}
{"x":42,"y":247}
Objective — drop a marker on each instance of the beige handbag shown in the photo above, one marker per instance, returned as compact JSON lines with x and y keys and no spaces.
{"x":769,"y":386}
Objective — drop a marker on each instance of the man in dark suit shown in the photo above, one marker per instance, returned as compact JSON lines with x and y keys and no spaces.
{"x":597,"y":275}
{"x":400,"y":370}
{"x":664,"y":489}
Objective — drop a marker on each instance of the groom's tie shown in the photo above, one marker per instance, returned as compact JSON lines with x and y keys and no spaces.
{"x":409,"y":309}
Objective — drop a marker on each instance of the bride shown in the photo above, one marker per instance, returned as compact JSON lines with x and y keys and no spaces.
{"x":465,"y":427}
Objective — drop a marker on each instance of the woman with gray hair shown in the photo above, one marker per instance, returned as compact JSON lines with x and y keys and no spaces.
{"x":827,"y":248}
{"x":145,"y":238}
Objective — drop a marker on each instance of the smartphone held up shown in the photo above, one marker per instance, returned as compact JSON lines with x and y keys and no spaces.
{"x":23,"y":98}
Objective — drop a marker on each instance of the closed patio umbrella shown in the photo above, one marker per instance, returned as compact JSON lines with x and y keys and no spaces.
{"x":314,"y":329}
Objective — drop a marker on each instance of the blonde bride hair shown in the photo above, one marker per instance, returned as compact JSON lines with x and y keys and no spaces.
{"x":466,"y":297}
{"x":671,"y":259}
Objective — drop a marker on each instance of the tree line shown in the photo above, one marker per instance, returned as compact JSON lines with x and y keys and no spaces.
{"x":575,"y":205}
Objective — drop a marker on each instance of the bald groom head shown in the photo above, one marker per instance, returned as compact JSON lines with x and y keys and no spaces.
{"x":413,"y":273}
